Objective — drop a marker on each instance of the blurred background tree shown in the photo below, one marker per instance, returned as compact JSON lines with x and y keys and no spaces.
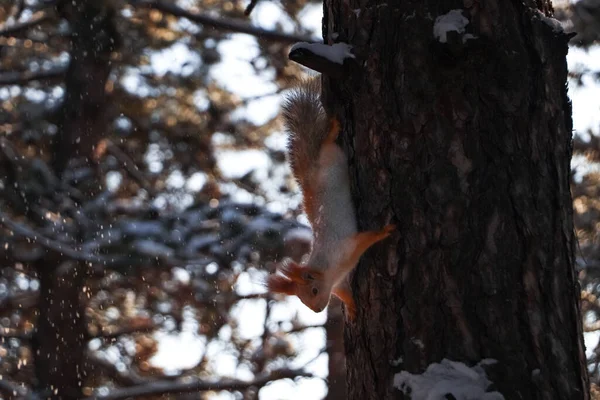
{"x":583,"y":18}
{"x":144,"y":196}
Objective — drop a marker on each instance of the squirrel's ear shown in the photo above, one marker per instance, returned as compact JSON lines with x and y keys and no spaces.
{"x":294,"y":272}
{"x":301,"y":275}
{"x":309,"y":274}
{"x":281,"y":284}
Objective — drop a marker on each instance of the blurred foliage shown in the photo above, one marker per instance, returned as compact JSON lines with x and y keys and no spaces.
{"x":583,"y":18}
{"x":158,"y":232}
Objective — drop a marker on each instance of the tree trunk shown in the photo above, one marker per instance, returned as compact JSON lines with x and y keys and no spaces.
{"x":61,"y":335}
{"x":466,"y":146}
{"x":81,"y":122}
{"x":334,"y":330}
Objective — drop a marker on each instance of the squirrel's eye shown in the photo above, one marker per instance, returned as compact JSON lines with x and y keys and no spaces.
{"x":315,"y":291}
{"x":309,"y":277}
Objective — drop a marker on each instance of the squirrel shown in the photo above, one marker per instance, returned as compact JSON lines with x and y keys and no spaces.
{"x":321,"y":169}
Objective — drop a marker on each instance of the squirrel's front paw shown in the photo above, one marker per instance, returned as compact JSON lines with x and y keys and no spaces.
{"x":389,"y":229}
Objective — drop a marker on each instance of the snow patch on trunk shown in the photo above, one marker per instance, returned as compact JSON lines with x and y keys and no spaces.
{"x":551,"y":22}
{"x":453,"y":21}
{"x":448,"y":378}
{"x":336,"y":53}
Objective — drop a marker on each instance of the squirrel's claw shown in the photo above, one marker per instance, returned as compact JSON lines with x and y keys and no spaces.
{"x":389,"y":228}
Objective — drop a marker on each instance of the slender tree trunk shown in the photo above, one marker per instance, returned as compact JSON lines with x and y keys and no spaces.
{"x":61,"y":335}
{"x":334,"y":329}
{"x":466,"y":146}
{"x":82,"y":123}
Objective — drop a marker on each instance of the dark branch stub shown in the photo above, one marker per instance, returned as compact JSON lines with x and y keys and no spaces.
{"x":250,"y":7}
{"x":328,"y":60}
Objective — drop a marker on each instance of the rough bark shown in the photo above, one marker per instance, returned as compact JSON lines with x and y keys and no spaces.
{"x":466,"y":147}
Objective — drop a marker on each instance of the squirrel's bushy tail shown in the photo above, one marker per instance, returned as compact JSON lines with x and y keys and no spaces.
{"x":306,"y":122}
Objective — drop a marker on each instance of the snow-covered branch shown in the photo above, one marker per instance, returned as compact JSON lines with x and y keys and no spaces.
{"x":56,"y":246}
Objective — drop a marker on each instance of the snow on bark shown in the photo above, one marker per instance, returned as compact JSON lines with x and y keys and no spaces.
{"x":551,"y":22}
{"x":336,"y":53}
{"x":453,"y":21}
{"x":448,"y":378}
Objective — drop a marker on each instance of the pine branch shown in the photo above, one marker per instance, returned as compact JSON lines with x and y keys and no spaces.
{"x":130,"y":166}
{"x":158,"y":388}
{"x":250,"y":7}
{"x":221,"y":23}
{"x":6,"y":334}
{"x":37,"y":18}
{"x":129,"y":377}
{"x":136,"y":327}
{"x":21,"y":77}
{"x":56,"y":246}
{"x":13,"y":390}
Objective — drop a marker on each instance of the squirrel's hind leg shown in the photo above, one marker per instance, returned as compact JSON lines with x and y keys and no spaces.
{"x":344,"y":293}
{"x":334,"y":130}
{"x":359,"y":243}
{"x":363,"y":240}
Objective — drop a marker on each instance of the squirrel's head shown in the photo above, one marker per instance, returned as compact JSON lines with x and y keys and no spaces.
{"x":302,"y":281}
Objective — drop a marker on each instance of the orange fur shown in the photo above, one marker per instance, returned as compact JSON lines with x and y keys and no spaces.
{"x":320,"y":167}
{"x":334,"y":131}
{"x":307,"y":125}
{"x":280,"y":284}
{"x":345,"y":295}
{"x":309,"y":187}
{"x":363,"y":240}
{"x":298,"y":273}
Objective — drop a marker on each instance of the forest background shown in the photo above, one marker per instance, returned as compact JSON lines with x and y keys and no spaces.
{"x":135,"y":269}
